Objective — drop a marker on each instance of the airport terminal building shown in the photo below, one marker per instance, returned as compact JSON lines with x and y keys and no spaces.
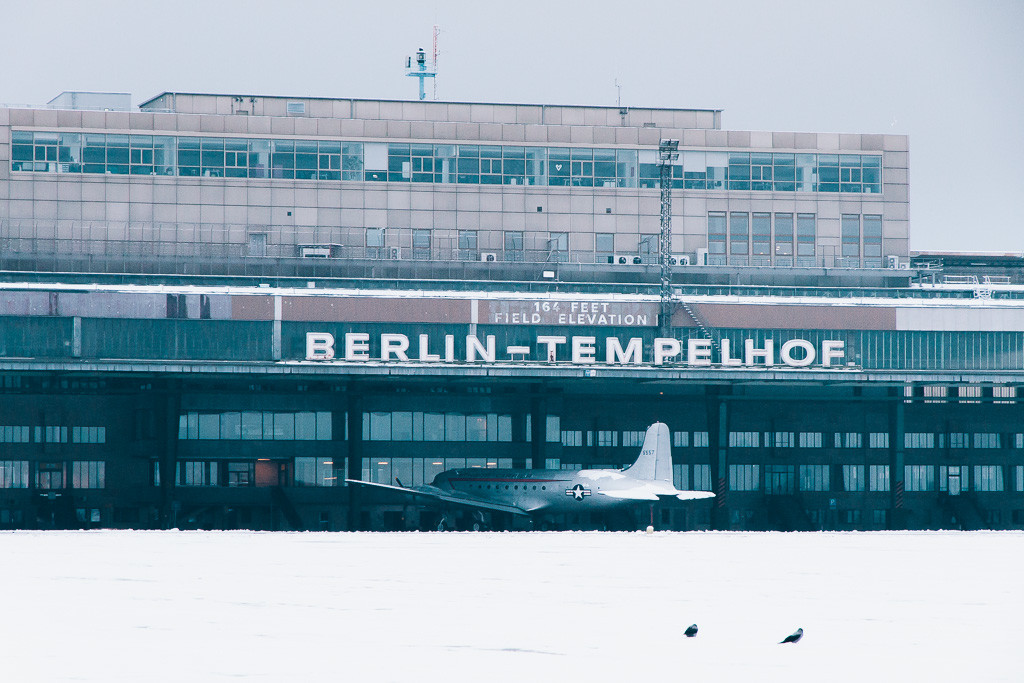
{"x":216,"y":308}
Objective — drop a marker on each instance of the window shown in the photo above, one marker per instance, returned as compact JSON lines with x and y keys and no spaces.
{"x":744,"y":439}
{"x":744,"y":478}
{"x":878,"y":478}
{"x":761,"y":239}
{"x":558,"y":246}
{"x":919,"y":477}
{"x":253,"y":426}
{"x":850,"y":226}
{"x":13,"y":474}
{"x":783,"y":439}
{"x":514,"y":245}
{"x":314,"y":472}
{"x":873,"y":241}
{"x":805,"y":239}
{"x":56,"y":434}
{"x":632,"y":439}
{"x":607,"y":438}
{"x":700,"y":439}
{"x":783,"y":239}
{"x":988,"y":478}
{"x":572,"y":438}
{"x":918,"y":440}
{"x":553,"y":429}
{"x":680,"y":477}
{"x":1002,"y":393}
{"x":986,"y":440}
{"x":739,"y":238}
{"x":716,"y":238}
{"x":848,"y":440}
{"x":680,"y":439}
{"x":878,"y":440}
{"x":1018,"y":470}
{"x":88,"y":474}
{"x":702,"y":478}
{"x":241,"y":474}
{"x":15,"y":434}
{"x":814,"y":478}
{"x":421,"y":244}
{"x":953,"y":478}
{"x":196,"y":473}
{"x":50,"y":475}
{"x":468,"y":244}
{"x":853,"y":477}
{"x":810,"y":439}
{"x":604,"y":247}
{"x":959,"y":440}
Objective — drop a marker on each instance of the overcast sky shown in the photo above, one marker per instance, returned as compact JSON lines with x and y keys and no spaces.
{"x":949,"y":74}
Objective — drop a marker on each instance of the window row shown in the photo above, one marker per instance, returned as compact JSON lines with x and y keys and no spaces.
{"x":955,"y":440}
{"x":254,"y":425}
{"x":85,"y":474}
{"x":301,"y":471}
{"x":51,"y":434}
{"x":419,"y":471}
{"x":630,"y":438}
{"x":420,"y":426}
{"x":787,"y":479}
{"x":954,"y":479}
{"x":121,"y":154}
{"x":761,"y":238}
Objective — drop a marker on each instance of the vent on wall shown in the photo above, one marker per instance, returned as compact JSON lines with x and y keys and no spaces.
{"x":296,"y":108}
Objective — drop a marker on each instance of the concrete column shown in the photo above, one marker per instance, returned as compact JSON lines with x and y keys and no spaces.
{"x":538,"y":422}
{"x":354,"y":419}
{"x":718,"y":443}
{"x":897,"y":513}
{"x":168,"y":411}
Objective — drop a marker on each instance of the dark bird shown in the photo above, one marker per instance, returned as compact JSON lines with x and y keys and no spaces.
{"x":793,"y":637}
{"x":690,"y":631}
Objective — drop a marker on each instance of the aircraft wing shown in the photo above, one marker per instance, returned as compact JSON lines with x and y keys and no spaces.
{"x":442,"y":496}
{"x":645,"y":493}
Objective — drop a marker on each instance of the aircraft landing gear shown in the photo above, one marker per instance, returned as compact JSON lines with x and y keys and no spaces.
{"x":446,"y":523}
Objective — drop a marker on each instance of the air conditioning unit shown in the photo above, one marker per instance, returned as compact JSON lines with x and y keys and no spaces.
{"x":314,"y":252}
{"x":702,"y":257}
{"x":892,"y":261}
{"x":679,"y":260}
{"x":904,"y":265}
{"x":637,"y":261}
{"x":619,"y":259}
{"x":393,"y":253}
{"x":488,"y":256}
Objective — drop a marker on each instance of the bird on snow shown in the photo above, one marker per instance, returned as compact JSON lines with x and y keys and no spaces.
{"x":690,"y":631}
{"x":793,"y":637}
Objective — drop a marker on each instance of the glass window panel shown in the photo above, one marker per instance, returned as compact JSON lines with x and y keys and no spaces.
{"x":305,"y":426}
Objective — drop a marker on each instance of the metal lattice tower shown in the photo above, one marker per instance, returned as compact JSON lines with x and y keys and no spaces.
{"x":668,"y":152}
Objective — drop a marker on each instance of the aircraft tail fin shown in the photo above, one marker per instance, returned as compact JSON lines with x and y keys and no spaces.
{"x":655,"y":461}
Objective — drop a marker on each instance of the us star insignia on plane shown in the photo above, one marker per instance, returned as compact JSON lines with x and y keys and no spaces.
{"x":578,"y":492}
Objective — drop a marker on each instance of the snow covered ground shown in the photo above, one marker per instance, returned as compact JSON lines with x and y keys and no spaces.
{"x":218,"y":606}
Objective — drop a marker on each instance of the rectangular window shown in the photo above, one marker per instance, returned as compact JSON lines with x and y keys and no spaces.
{"x":853,"y":477}
{"x":814,"y":478}
{"x":196,"y":473}
{"x":50,"y":475}
{"x":15,"y":434}
{"x":700,"y":439}
{"x":717,"y":234}
{"x":632,"y":439}
{"x":607,"y":437}
{"x":88,"y":474}
{"x":878,"y":477}
{"x":702,"y":478}
{"x":553,"y":431}
{"x":13,"y":474}
{"x":850,"y":226}
{"x":959,"y":440}
{"x":988,"y":478}
{"x":572,"y":438}
{"x":1004,"y":394}
{"x":315,"y":472}
{"x":761,"y":239}
{"x":680,"y":477}
{"x":744,"y":439}
{"x":241,"y":474}
{"x":810,"y":439}
{"x":878,"y":440}
{"x":805,"y":239}
{"x":986,"y":440}
{"x":918,"y":440}
{"x":744,"y":478}
{"x":783,"y":239}
{"x":919,"y":477}
{"x":739,"y":238}
{"x":680,"y":439}
{"x":872,"y":241}
{"x":781,"y":439}
{"x":56,"y":434}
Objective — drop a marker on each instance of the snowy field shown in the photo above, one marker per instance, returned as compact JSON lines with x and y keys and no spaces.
{"x":230,"y":606}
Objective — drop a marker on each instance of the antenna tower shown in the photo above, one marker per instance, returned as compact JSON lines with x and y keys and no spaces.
{"x":421,"y":70}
